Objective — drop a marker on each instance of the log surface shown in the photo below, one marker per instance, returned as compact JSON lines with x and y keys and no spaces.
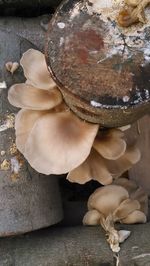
{"x":75,"y":246}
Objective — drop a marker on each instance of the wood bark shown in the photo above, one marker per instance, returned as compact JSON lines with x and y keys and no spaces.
{"x":140,"y":132}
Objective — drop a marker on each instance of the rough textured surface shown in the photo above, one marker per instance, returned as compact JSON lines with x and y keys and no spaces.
{"x":28,"y":200}
{"x":102,"y":79}
{"x":141,"y":171}
{"x":74,"y":246}
{"x":33,"y":29}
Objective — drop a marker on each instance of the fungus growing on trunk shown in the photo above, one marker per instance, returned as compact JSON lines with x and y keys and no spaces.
{"x":120,"y":202}
{"x":103,"y":170}
{"x":47,"y":130}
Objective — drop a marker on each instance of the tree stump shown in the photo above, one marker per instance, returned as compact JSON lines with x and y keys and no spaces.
{"x":102,"y":71}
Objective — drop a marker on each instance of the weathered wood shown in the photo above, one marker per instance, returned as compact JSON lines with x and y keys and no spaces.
{"x":140,"y":132}
{"x":28,"y":200}
{"x":100,"y":69}
{"x":75,"y":246}
{"x":33,"y":29}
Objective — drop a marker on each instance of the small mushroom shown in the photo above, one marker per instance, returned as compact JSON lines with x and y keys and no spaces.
{"x":59,"y":142}
{"x":110,"y":144}
{"x":47,"y":130}
{"x":93,"y":168}
{"x":12,"y":66}
{"x":116,"y":203}
{"x":28,"y":97}
{"x":35,"y":70}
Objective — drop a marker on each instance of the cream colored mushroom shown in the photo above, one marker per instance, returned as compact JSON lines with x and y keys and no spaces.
{"x":114,"y":203}
{"x":59,"y":142}
{"x":12,"y":66}
{"x":50,"y":136}
{"x":135,"y":192}
{"x":28,"y":97}
{"x":35,"y":70}
{"x":110,"y":144}
{"x":54,"y":140}
{"x":102,"y":170}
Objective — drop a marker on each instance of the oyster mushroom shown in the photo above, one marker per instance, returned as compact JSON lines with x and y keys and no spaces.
{"x":54,"y":140}
{"x":103,"y":170}
{"x":119,"y":202}
{"x":110,"y":144}
{"x":50,"y":136}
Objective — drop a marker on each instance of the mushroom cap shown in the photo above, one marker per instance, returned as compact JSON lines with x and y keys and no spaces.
{"x":110,"y":144}
{"x":107,"y":199}
{"x":24,"y":122}
{"x":92,"y":217}
{"x":135,"y":192}
{"x":93,"y":168}
{"x":135,"y":217}
{"x":35,"y":70}
{"x":59,"y":142}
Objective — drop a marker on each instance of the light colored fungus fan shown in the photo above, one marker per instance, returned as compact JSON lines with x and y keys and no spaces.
{"x":47,"y":130}
{"x":121,"y":202}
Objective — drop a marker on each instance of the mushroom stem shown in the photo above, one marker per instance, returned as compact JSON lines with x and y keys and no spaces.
{"x":111,"y":233}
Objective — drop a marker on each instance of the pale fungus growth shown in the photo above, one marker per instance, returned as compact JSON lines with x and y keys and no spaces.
{"x":45,"y":128}
{"x":103,"y":170}
{"x":56,"y":141}
{"x":122,"y":202}
{"x":12,"y":66}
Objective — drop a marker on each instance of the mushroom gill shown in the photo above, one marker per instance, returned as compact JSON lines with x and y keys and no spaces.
{"x":104,"y":171}
{"x":50,"y":136}
{"x":123,"y":202}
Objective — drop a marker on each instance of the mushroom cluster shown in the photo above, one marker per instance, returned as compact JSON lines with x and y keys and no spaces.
{"x":122,"y":201}
{"x":54,"y":140}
